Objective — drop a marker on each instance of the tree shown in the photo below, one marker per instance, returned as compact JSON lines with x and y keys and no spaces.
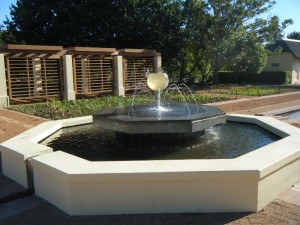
{"x":197,"y":38}
{"x":246,"y":54}
{"x":68,"y":23}
{"x":192,"y":41}
{"x":6,"y":37}
{"x":130,"y":23}
{"x":229,"y":18}
{"x":294,"y":35}
{"x":152,"y":24}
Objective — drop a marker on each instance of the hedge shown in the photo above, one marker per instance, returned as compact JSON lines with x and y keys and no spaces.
{"x":267,"y":77}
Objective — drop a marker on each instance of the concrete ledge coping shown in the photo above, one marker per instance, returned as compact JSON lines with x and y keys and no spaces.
{"x":81,"y":187}
{"x":26,"y":146}
{"x":31,"y":137}
{"x":257,"y":163}
{"x":16,"y":151}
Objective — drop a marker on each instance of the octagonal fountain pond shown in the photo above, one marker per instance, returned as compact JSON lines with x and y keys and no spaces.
{"x":157,"y":183}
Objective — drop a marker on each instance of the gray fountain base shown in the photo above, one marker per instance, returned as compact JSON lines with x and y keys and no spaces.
{"x":173,"y":118}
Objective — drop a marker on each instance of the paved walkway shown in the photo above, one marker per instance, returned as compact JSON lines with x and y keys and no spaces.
{"x":18,"y":207}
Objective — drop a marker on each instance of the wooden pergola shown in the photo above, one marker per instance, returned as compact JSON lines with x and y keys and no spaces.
{"x":38,"y":72}
{"x":29,"y":51}
{"x":33,"y":72}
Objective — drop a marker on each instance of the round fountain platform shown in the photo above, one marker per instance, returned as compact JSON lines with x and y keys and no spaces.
{"x":172,"y":118}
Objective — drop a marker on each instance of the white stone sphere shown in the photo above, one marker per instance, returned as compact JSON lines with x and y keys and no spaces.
{"x":157,"y":81}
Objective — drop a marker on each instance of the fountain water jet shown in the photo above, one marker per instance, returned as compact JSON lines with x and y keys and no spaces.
{"x":155,"y":119}
{"x":158,"y":82}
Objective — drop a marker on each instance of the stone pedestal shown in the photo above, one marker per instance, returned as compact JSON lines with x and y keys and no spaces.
{"x":119,"y":89}
{"x":157,"y":64}
{"x":4,"y":100}
{"x":69,"y":93}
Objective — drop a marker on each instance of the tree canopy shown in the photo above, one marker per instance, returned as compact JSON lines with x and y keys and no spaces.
{"x":197,"y":38}
{"x":294,"y":35}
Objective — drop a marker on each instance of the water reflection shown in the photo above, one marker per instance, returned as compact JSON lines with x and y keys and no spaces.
{"x":221,"y":142}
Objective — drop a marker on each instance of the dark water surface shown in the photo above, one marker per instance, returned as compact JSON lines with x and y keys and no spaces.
{"x":221,"y":142}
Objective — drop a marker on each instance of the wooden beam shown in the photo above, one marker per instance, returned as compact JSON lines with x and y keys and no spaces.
{"x":90,"y":50}
{"x":31,"y":47}
{"x":137,"y":52}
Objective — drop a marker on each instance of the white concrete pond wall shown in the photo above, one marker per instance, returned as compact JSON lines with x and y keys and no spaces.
{"x":80,"y":187}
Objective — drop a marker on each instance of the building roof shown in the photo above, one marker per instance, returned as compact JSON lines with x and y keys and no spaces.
{"x":289,"y":45}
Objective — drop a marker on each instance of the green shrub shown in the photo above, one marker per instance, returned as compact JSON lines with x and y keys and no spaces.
{"x":56,"y":109}
{"x":267,"y":77}
{"x":253,"y":91}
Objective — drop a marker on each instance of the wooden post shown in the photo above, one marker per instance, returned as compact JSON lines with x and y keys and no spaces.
{"x":119,"y":89}
{"x":4,"y":100}
{"x":69,"y":93}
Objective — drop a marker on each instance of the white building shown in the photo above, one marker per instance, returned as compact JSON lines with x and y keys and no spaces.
{"x":287,"y":60}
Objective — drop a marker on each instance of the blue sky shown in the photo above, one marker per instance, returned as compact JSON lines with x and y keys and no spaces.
{"x":284,"y":9}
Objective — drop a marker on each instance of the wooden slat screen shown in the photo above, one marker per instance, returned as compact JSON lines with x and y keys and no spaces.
{"x":135,"y":70}
{"x":93,"y":75}
{"x":33,"y":78}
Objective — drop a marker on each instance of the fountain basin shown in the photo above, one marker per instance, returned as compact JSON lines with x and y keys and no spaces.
{"x":81,"y":187}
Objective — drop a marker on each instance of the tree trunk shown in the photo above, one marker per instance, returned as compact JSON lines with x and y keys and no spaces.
{"x":216,"y":76}
{"x":181,"y":75}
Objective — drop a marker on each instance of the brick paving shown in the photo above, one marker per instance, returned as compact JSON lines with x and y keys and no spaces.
{"x":18,"y":207}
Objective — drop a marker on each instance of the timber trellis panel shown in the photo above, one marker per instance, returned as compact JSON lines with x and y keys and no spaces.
{"x":37,"y":72}
{"x":93,"y":76}
{"x":33,"y":78}
{"x":135,"y":70}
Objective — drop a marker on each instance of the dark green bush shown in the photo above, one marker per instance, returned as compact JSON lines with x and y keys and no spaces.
{"x":267,"y":77}
{"x":228,"y":78}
